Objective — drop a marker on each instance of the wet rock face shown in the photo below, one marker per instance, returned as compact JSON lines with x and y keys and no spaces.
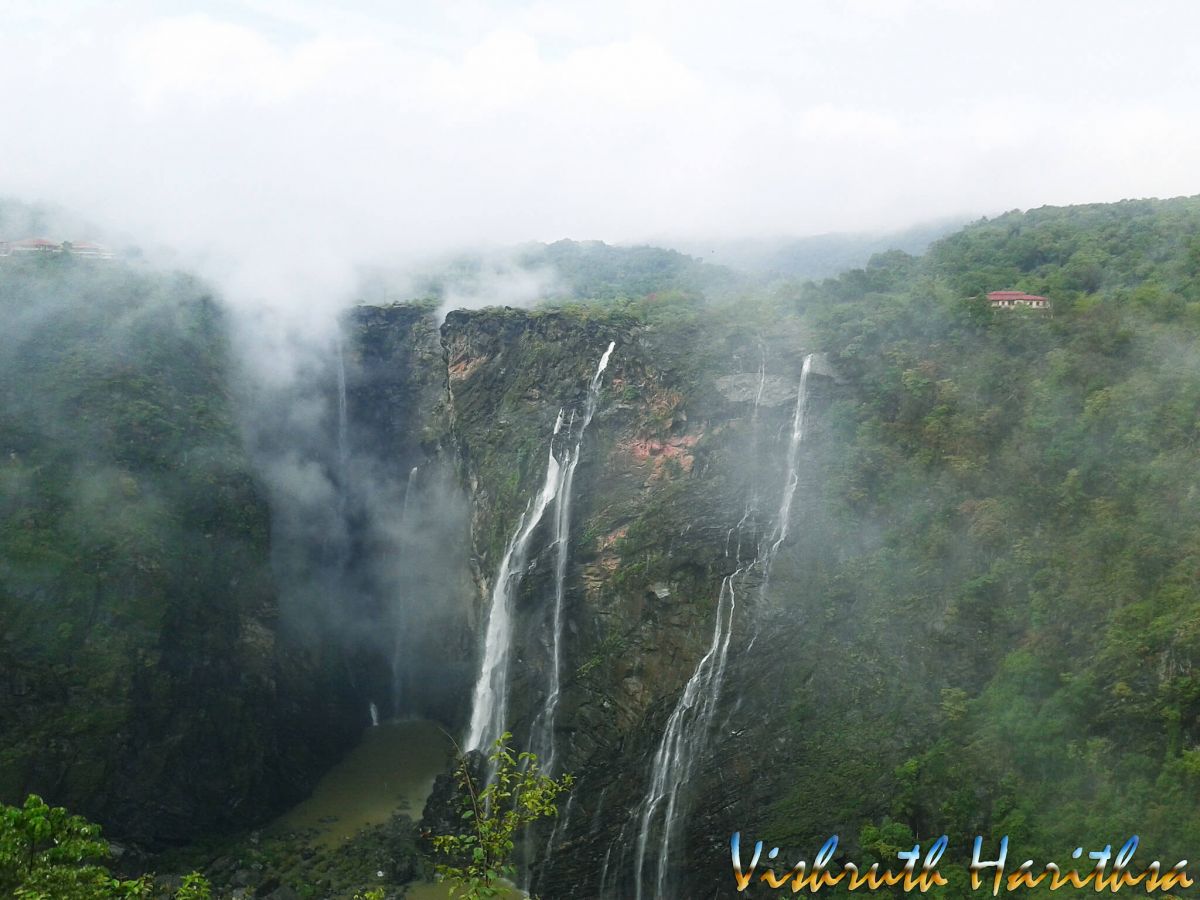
{"x":680,"y":452}
{"x":396,"y":382}
{"x":408,"y":519}
{"x":685,"y":446}
{"x":749,"y":387}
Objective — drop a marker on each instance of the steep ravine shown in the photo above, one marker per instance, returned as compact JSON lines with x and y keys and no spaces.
{"x":436,"y":438}
{"x":677,"y":456}
{"x":983,"y":619}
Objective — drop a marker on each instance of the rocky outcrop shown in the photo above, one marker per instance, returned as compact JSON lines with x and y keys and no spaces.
{"x":676,"y":451}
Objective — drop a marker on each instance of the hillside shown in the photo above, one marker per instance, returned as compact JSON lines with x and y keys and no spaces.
{"x":985,"y":621}
{"x":138,"y":610}
{"x":861,"y":556}
{"x":1017,"y":490}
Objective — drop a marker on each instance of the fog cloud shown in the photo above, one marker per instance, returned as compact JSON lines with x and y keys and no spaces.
{"x":283,"y":135}
{"x":280,"y":146}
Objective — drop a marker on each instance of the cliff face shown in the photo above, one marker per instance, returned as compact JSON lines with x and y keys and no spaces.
{"x":147,"y":633}
{"x":982,"y":620}
{"x":138,"y":615}
{"x":685,"y":447}
{"x":152,"y":629}
{"x":408,"y":519}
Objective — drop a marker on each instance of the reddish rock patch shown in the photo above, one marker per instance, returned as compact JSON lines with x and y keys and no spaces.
{"x":657,"y":452}
{"x":464,"y":367}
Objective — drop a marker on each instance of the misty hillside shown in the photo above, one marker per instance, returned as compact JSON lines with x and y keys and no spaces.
{"x":1011,"y":502}
{"x":595,"y":270}
{"x":817,"y":256}
{"x":598,"y":451}
{"x":930,"y":565}
{"x":563,"y":272}
{"x":137,"y":606}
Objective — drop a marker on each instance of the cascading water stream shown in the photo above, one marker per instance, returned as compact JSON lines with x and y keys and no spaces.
{"x":343,"y":424}
{"x":542,"y":740}
{"x":490,"y":701}
{"x":783,"y":517}
{"x":688,"y":726}
{"x":683,"y":740}
{"x":399,"y":642}
{"x":489,"y":708}
{"x":408,"y":486}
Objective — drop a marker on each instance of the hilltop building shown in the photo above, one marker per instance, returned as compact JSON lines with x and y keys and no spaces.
{"x":90,"y":250}
{"x":1013,"y":299}
{"x":83,"y":249}
{"x":34,"y":245}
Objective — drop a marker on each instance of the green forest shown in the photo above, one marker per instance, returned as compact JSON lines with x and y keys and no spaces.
{"x":1032,"y":583}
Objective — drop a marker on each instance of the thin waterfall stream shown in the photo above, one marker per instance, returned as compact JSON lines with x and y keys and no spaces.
{"x":489,"y":707}
{"x":343,"y":415}
{"x":542,"y":740}
{"x":686,"y":733}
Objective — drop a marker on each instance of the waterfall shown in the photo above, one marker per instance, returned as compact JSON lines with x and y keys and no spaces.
{"x":542,"y":741}
{"x":490,"y":700}
{"x":374,"y":711}
{"x":783,"y":517}
{"x":683,"y":740}
{"x":688,"y":726}
{"x":401,"y":639}
{"x":408,"y":486}
{"x":489,"y":708}
{"x":542,"y":735}
{"x":342,"y":444}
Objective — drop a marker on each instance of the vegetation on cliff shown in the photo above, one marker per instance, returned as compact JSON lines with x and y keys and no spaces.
{"x":135,"y":596}
{"x":986,"y":619}
{"x":494,"y":810}
{"x":1011,"y":541}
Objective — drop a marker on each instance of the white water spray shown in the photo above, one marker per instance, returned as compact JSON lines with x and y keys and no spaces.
{"x":400,"y":641}
{"x":343,"y":423}
{"x":374,"y":711}
{"x":408,"y":486}
{"x":542,"y":741}
{"x":683,"y":740}
{"x":783,"y":517}
{"x":489,"y":708}
{"x":688,"y":726}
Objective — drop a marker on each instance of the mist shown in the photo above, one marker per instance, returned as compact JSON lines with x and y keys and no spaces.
{"x":279,"y":148}
{"x":261,"y":447}
{"x":271,"y":137}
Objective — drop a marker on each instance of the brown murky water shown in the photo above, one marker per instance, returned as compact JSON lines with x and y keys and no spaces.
{"x":392,"y":770}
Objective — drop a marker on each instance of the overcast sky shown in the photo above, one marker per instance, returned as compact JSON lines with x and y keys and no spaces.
{"x":326,"y":131}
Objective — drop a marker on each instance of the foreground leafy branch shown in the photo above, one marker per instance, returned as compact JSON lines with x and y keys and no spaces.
{"x":517,"y":795}
{"x":48,"y":854}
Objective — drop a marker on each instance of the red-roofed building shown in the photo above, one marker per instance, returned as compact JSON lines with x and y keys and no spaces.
{"x":89,"y":250}
{"x":35,"y":245}
{"x":84,"y":249}
{"x":1013,"y":299}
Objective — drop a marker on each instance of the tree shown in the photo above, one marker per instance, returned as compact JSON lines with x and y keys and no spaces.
{"x":48,"y":854}
{"x":518,"y":794}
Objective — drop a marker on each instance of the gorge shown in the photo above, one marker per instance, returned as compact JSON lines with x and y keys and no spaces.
{"x":858,"y":557}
